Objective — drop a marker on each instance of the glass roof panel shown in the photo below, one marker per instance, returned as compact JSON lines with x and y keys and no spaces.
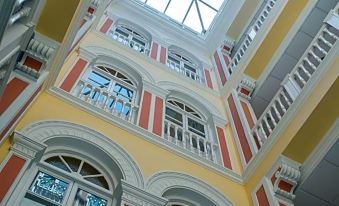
{"x":216,"y":4}
{"x":192,"y":20}
{"x":207,"y":14}
{"x":195,"y":14}
{"x":177,"y":9}
{"x":159,"y":5}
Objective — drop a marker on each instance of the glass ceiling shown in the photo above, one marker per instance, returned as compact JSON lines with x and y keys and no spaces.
{"x":195,"y":14}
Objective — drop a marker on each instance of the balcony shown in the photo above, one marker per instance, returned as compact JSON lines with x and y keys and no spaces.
{"x":302,"y":75}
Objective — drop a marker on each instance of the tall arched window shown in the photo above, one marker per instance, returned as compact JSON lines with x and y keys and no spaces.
{"x":130,"y":35}
{"x":109,"y":89}
{"x":184,"y":65}
{"x":64,"y":179}
{"x":187,"y":128}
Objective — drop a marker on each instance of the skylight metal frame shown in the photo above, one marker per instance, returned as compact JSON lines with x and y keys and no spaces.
{"x":204,"y":29}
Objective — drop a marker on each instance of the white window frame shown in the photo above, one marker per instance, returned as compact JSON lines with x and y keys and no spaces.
{"x":181,"y":69}
{"x":128,"y":41}
{"x":75,"y":182}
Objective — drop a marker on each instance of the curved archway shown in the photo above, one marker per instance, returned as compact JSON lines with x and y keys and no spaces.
{"x":104,"y":55}
{"x":188,"y":95}
{"x":165,"y":184}
{"x":61,"y":136}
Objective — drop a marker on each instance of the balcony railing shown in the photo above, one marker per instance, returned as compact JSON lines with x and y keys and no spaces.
{"x":190,"y":141}
{"x":106,"y":101}
{"x":172,"y":65}
{"x":129,"y":42}
{"x":298,"y":78}
{"x":251,"y":35}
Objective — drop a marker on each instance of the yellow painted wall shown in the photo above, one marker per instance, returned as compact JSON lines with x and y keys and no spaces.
{"x":295,"y":124}
{"x":315,"y":127}
{"x":242,"y":19}
{"x":4,"y":149}
{"x":56,"y":18}
{"x":151,"y":160}
{"x":275,"y":37}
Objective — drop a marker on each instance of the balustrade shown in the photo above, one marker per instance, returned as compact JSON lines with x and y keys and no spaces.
{"x":190,"y":141}
{"x":296,"y":80}
{"x":131,"y":42}
{"x":251,"y":35}
{"x":106,"y":101}
{"x":175,"y":66}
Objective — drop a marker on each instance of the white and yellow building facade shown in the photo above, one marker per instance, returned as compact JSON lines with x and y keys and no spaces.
{"x":109,"y":103}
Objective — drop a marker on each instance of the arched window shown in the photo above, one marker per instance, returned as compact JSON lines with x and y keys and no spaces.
{"x":67,"y":180}
{"x":109,"y":89}
{"x":131,"y":36}
{"x":184,"y":65}
{"x":187,"y":128}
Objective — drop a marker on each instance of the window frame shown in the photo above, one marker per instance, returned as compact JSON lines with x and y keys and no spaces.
{"x":183,"y":60}
{"x":134,"y":33}
{"x":75,"y":182}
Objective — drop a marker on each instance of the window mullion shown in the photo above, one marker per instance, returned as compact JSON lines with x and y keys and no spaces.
{"x":167,"y":6}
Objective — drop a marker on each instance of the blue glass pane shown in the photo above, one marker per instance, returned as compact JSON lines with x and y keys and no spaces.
{"x":49,"y":187}
{"x":98,"y":80}
{"x":84,"y":198}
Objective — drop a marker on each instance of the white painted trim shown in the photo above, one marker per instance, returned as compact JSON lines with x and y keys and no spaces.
{"x":313,"y":82}
{"x":151,"y":113}
{"x":160,"y":182}
{"x":147,"y":136}
{"x":285,"y":43}
{"x":46,"y":130}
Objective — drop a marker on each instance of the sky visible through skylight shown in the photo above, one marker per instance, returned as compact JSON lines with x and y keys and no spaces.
{"x":195,"y":14}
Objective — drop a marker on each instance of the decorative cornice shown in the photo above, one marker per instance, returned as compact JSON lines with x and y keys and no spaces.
{"x":28,"y":70}
{"x":138,"y":197}
{"x":40,"y":49}
{"x":247,"y":84}
{"x":42,"y":131}
{"x":159,"y":183}
{"x":26,"y":146}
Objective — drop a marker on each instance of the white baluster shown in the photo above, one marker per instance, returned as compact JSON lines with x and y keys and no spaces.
{"x":276,"y":111}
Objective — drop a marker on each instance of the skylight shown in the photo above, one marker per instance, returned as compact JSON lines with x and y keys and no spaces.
{"x":195,"y":14}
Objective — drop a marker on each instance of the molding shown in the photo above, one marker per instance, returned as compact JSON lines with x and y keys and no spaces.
{"x":146,"y":135}
{"x":155,"y":63}
{"x":26,"y":147}
{"x":160,"y":182}
{"x":46,"y":130}
{"x":292,"y":111}
{"x":156,"y":90}
{"x":329,"y":139}
{"x":285,"y":43}
{"x":135,"y":196}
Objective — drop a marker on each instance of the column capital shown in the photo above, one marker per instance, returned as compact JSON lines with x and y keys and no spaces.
{"x":26,"y":147}
{"x":134,"y":196}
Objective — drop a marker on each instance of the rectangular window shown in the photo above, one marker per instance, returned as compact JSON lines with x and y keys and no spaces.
{"x":174,"y":116}
{"x":84,"y":198}
{"x":49,"y":188}
{"x":196,"y":127}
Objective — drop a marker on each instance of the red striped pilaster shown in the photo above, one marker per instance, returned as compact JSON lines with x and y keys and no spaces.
{"x":20,"y":112}
{"x":223,"y":147}
{"x":12,"y":91}
{"x":246,"y":109}
{"x":73,"y":75}
{"x":145,"y":110}
{"x":262,"y":197}
{"x":9,"y":173}
{"x":154,"y":50}
{"x":219,"y":68}
{"x":208,"y":78}
{"x":105,"y":27}
{"x":163,"y":54}
{"x":246,"y":150}
{"x":158,"y":115}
